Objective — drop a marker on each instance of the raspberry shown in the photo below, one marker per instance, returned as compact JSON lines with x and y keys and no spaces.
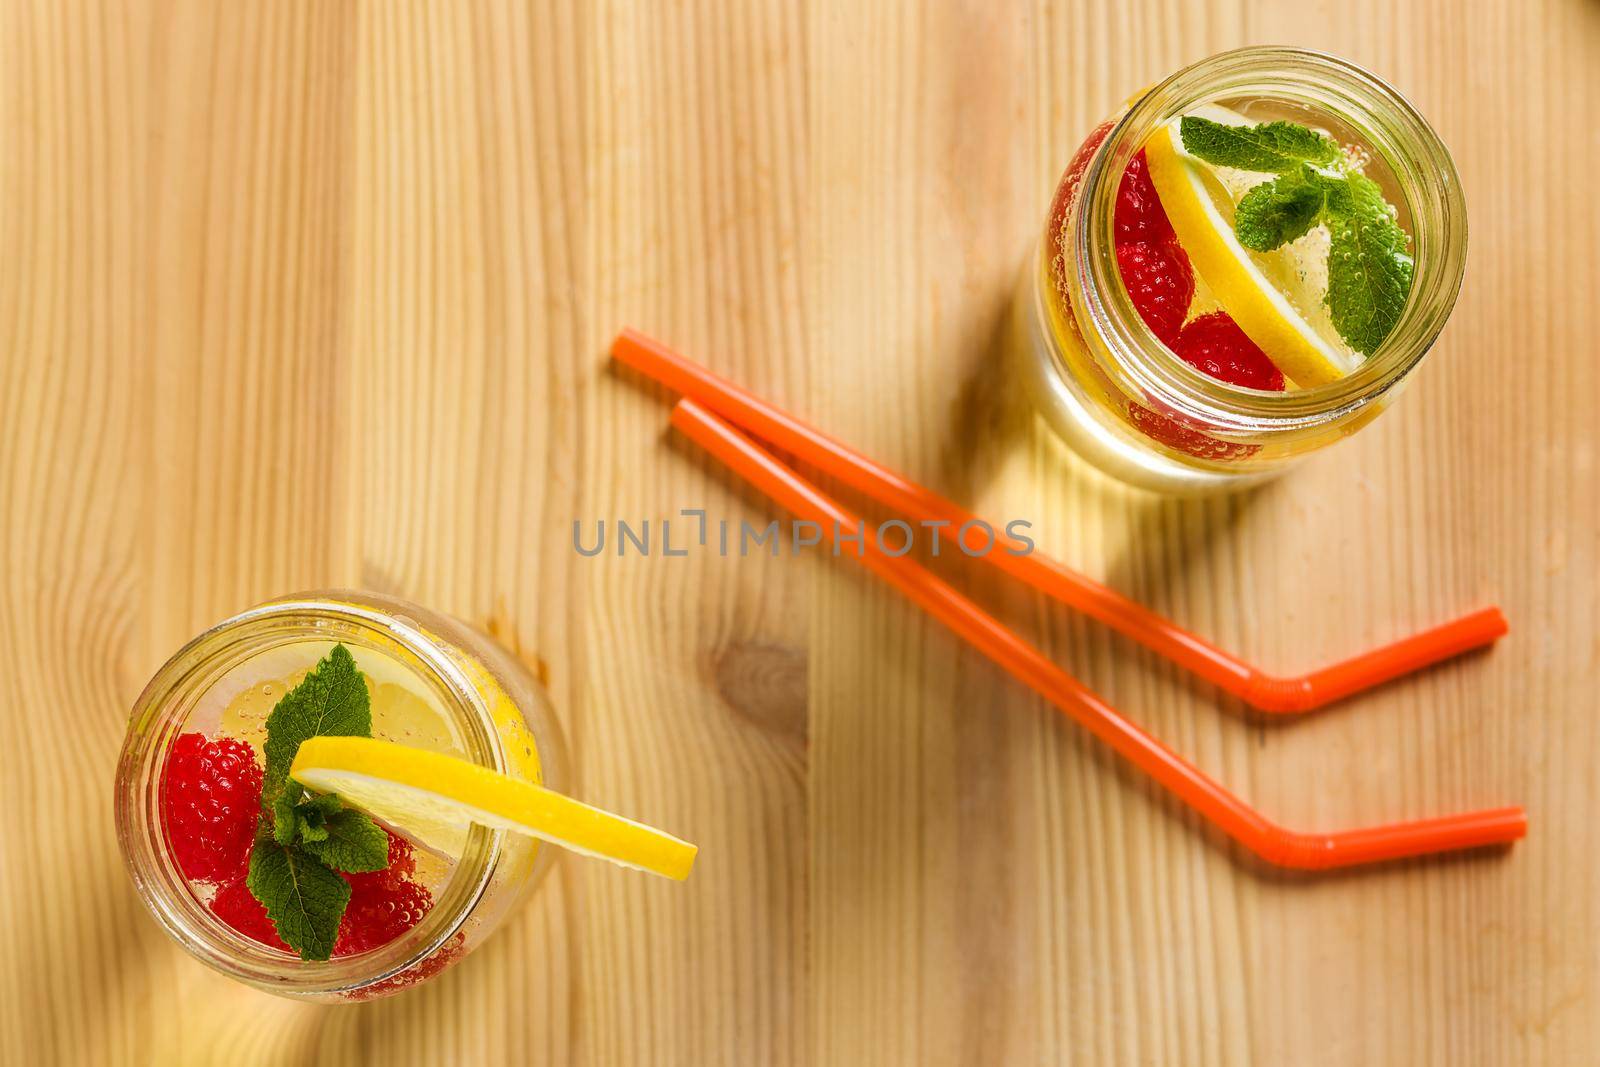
{"x":235,"y":905}
{"x":1183,"y":438}
{"x":1160,"y":283}
{"x":383,"y":905}
{"x":447,"y":954}
{"x":1066,"y":193}
{"x":402,"y":864}
{"x":1215,"y":345}
{"x":381,"y":909}
{"x":402,"y":857}
{"x":210,"y":802}
{"x":1139,"y":215}
{"x":1067,"y":190}
{"x":1155,"y":269}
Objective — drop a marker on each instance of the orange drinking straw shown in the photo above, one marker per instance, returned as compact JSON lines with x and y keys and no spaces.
{"x":1273,"y":843}
{"x":1267,"y":692}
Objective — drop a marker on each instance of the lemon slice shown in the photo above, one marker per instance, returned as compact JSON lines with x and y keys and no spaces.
{"x":436,"y":798}
{"x":1275,"y":297}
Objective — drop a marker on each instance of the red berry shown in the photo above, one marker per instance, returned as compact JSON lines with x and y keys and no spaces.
{"x":380,"y":910}
{"x":1139,"y":215}
{"x":383,"y":905}
{"x":1067,"y":189}
{"x":1160,"y":283}
{"x":402,"y":864}
{"x":210,"y":803}
{"x":447,"y":954}
{"x":402,"y":857}
{"x":235,"y":905}
{"x":1176,"y":435}
{"x":1215,"y":345}
{"x":1067,"y":193}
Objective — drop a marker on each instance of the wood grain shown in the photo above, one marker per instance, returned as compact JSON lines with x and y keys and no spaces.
{"x":299,"y":294}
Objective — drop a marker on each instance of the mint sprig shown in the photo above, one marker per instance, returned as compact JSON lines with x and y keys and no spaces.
{"x":1370,"y":268}
{"x":303,"y":842}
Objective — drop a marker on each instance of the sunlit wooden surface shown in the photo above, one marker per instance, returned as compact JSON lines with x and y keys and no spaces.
{"x":308,"y":294}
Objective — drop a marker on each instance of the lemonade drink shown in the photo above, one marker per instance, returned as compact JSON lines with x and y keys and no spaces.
{"x":198,"y":763}
{"x":1240,"y":267}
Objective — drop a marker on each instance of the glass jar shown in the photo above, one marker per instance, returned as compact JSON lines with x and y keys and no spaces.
{"x":495,"y":713}
{"x":1121,"y":398}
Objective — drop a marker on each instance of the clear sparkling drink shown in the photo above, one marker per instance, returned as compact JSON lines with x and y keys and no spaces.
{"x":1242,"y":265}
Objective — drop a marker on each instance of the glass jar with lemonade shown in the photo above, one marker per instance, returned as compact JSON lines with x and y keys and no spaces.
{"x":1241,"y":266}
{"x":336,"y":795}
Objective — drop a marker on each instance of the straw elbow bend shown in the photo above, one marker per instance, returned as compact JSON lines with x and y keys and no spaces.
{"x":1281,"y":696}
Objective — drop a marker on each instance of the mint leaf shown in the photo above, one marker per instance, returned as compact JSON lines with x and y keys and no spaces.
{"x":351,"y":842}
{"x":1369,"y":267}
{"x":1271,"y":147}
{"x":1281,"y":210}
{"x":330,"y":701}
{"x":304,"y":899}
{"x":312,"y":816}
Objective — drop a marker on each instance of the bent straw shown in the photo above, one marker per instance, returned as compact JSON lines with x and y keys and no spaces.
{"x":1273,"y":843}
{"x":1267,"y":692}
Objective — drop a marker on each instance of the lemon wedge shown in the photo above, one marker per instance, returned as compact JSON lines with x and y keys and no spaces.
{"x":1275,"y":297}
{"x":436,"y":798}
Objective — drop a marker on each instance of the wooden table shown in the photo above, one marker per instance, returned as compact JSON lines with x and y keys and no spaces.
{"x":305,"y":294}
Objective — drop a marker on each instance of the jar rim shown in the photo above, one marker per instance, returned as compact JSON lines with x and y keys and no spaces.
{"x":158,"y":716}
{"x":1393,"y":127}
